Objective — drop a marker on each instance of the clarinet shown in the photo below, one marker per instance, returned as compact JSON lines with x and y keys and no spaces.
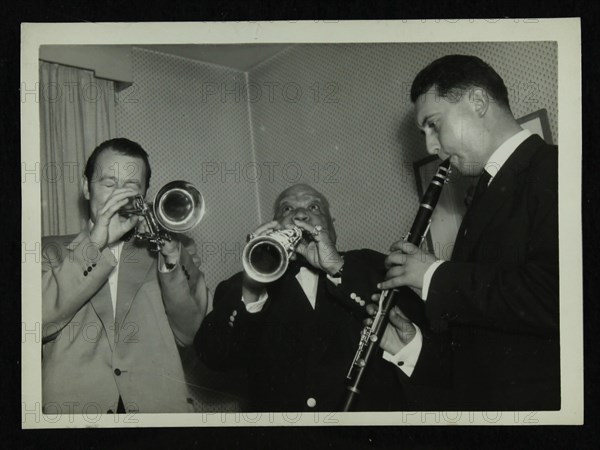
{"x":371,"y":335}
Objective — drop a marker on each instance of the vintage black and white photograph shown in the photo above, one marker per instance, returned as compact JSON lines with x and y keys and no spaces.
{"x":346,"y":224}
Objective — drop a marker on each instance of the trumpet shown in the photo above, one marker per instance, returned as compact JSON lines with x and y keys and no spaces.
{"x":266,"y":258}
{"x":177,"y":207}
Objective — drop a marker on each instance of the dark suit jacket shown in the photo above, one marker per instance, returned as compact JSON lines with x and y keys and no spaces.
{"x":498,"y":298}
{"x":291,"y":351}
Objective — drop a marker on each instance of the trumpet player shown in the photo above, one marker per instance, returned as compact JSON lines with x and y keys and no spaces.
{"x":114,"y":313}
{"x":295,"y":336}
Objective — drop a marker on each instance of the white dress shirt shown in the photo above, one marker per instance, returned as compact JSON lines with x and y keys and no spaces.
{"x":113,"y":279}
{"x":116,"y":249}
{"x":308,"y":279}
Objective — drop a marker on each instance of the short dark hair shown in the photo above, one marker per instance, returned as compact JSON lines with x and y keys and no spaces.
{"x":120,"y":145}
{"x":458,"y":73}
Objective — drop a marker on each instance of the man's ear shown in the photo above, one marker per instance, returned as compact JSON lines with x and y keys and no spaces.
{"x":480,"y":101}
{"x":85,"y":186}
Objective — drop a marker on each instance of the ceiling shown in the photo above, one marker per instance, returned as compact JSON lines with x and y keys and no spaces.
{"x":239,"y":56}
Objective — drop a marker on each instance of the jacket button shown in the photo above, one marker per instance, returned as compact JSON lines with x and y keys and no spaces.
{"x":353,"y":296}
{"x":311,"y":402}
{"x":117,"y":372}
{"x":400,"y":363}
{"x":85,"y":273}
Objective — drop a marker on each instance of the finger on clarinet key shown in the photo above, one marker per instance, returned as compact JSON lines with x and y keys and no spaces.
{"x":371,"y":309}
{"x":392,"y":283}
{"x":395,"y":271}
{"x":403,"y":246}
{"x":396,"y":258}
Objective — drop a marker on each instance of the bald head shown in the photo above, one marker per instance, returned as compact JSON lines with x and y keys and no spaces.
{"x":296,"y":191}
{"x":302,"y":202}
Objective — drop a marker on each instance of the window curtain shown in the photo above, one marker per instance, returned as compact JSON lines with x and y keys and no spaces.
{"x":77,"y":112}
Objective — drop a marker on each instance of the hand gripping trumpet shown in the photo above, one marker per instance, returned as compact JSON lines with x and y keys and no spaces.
{"x":371,"y":335}
{"x":178,"y":207}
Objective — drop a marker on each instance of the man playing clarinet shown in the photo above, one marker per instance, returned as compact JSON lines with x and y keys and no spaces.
{"x":494,"y":306}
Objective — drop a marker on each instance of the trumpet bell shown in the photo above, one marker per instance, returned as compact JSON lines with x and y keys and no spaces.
{"x":265,"y":259}
{"x":179,"y":206}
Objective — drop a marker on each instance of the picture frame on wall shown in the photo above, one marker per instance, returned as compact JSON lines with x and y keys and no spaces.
{"x":537,"y":122}
{"x":452,"y":205}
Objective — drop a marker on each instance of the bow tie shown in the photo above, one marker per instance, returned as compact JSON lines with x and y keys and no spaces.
{"x":295,"y":266}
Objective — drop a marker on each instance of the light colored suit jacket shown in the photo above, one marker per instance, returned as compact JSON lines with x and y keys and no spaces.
{"x":90,"y":357}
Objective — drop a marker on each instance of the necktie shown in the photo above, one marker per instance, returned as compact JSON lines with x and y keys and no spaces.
{"x":482,"y":184}
{"x":480,"y":189}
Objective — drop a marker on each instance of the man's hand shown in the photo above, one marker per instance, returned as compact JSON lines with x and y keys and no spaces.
{"x":406,"y":266}
{"x":319,"y":252}
{"x":170,"y":250}
{"x":399,"y":331}
{"x":110,"y":226}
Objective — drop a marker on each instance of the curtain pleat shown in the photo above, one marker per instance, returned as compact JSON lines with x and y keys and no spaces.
{"x":77,"y":112}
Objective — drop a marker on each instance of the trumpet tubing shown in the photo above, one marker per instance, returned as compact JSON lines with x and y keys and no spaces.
{"x":178,"y":207}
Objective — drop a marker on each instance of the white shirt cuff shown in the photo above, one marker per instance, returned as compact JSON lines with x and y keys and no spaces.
{"x":256,"y":306}
{"x":406,"y":359}
{"x":428,"y":276}
{"x":335,"y":281}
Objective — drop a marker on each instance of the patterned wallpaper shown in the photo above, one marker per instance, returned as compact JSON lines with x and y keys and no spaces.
{"x":192,"y":119}
{"x":340,"y":118}
{"x":335,"y":116}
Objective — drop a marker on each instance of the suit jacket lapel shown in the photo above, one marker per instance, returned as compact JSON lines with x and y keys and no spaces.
{"x":500,"y":190}
{"x":101,"y":302}
{"x":134,"y":264}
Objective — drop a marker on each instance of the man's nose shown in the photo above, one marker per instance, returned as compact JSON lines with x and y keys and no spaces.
{"x":301,"y":214}
{"x":433,"y":144}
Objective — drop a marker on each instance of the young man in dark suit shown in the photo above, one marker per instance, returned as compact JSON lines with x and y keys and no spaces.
{"x":494,"y":306}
